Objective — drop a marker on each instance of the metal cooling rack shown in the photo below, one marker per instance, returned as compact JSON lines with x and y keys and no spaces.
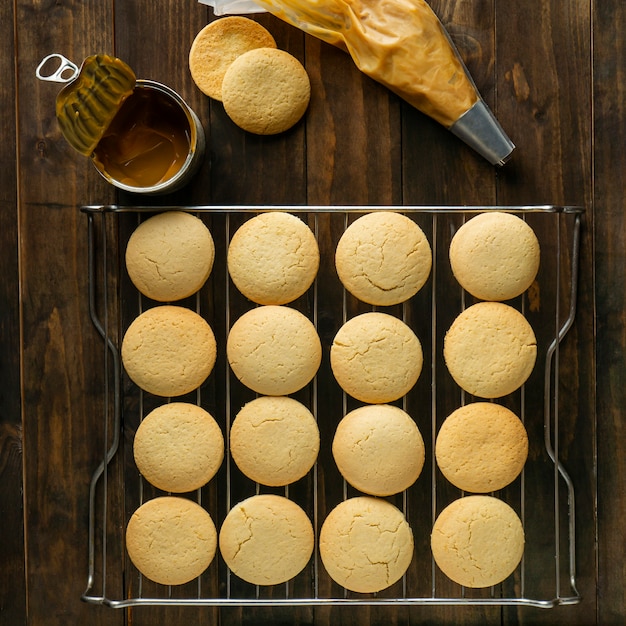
{"x":543,"y":495}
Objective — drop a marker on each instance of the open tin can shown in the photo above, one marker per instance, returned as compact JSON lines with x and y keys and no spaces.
{"x":140,"y":135}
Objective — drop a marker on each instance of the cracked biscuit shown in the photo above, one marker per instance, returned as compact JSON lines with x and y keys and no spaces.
{"x":379,"y":449}
{"x":170,"y":256}
{"x":366,"y":544}
{"x":477,"y":541}
{"x":273,"y":258}
{"x":274,"y":440}
{"x":481,"y":447}
{"x":376,"y":358}
{"x":171,"y":540}
{"x":383,"y":258}
{"x":490,"y":349}
{"x":274,"y":350}
{"x":178,"y":447}
{"x":168,"y":350}
{"x":266,"y":540}
{"x":218,"y":44}
{"x":495,"y":256}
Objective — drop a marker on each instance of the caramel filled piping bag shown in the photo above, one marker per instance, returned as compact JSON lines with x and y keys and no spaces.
{"x":403,"y":45}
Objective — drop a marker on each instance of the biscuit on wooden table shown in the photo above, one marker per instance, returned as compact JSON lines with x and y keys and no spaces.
{"x":218,"y":44}
{"x":266,"y":91}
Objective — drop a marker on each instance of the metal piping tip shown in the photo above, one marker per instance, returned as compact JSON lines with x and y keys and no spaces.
{"x":480,"y":130}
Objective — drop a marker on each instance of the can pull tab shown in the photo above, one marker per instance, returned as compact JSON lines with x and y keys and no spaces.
{"x":91,"y":97}
{"x":65,"y":71}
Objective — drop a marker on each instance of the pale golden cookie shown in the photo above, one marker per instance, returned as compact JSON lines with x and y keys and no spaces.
{"x":266,"y":91}
{"x":495,"y":256}
{"x":218,"y":44}
{"x":168,"y":350}
{"x":273,"y":258}
{"x":178,"y":447}
{"x":376,"y":358}
{"x":366,"y":544}
{"x":170,"y":256}
{"x":383,"y":258}
{"x":481,"y":447}
{"x":490,"y":349}
{"x":171,"y":540}
{"x":478,"y":541}
{"x":274,"y":350}
{"x":266,"y":540}
{"x":274,"y":440}
{"x":379,"y":449}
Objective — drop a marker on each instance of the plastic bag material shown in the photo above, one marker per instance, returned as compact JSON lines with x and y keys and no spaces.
{"x":233,"y":7}
{"x":403,"y":45}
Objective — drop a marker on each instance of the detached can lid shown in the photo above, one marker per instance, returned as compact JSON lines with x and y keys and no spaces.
{"x":90,"y":100}
{"x":480,"y":130}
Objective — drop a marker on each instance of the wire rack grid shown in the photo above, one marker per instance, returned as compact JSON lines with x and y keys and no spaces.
{"x":545,"y":578}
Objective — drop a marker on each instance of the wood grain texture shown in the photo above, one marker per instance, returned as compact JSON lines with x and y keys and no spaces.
{"x":553,"y":72}
{"x":12,"y":557}
{"x":538,"y":46}
{"x":610,"y":263}
{"x":59,"y":362}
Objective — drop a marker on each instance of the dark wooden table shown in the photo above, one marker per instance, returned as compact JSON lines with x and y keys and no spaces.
{"x":554,"y":73}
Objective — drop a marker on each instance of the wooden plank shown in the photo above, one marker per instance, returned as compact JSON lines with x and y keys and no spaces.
{"x":61,"y":382}
{"x":542,"y":55}
{"x":357,"y":144}
{"x":12,"y":573}
{"x":609,"y":64}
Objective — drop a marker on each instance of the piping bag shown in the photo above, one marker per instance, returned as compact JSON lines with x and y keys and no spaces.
{"x":403,"y":45}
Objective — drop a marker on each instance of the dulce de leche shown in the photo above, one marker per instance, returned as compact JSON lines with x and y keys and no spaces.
{"x":147,"y":142}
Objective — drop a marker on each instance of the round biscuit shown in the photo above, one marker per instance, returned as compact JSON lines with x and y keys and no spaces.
{"x":218,"y":44}
{"x":490,"y":349}
{"x":376,"y":358}
{"x":178,"y":447}
{"x":266,"y":91}
{"x":481,"y":447}
{"x":379,"y":449}
{"x":274,"y":350}
{"x":168,"y":350}
{"x":495,"y":256}
{"x":170,"y":256}
{"x":477,"y":541}
{"x":366,"y":544}
{"x":274,"y":440}
{"x":273,"y":258}
{"x":383,"y":258}
{"x":266,"y":540}
{"x":171,"y":540}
